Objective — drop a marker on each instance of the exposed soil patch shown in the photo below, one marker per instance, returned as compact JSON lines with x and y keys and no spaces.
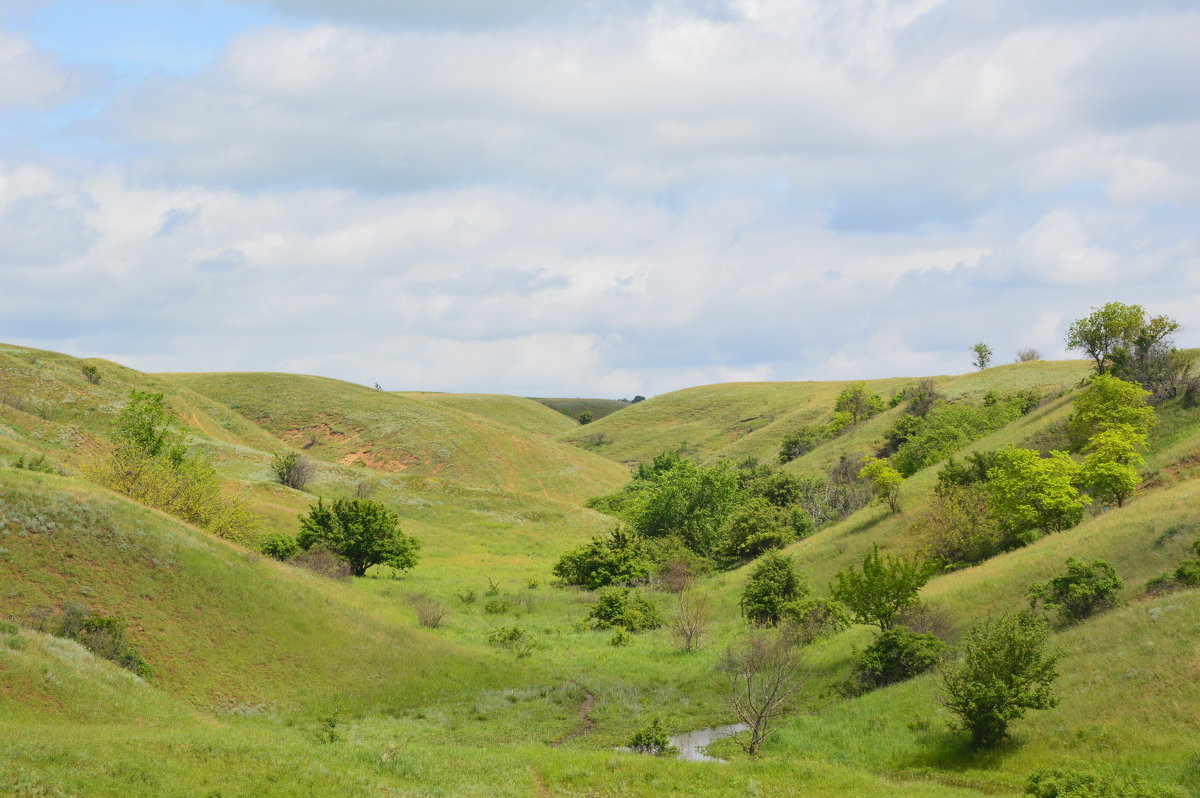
{"x":588,"y":724}
{"x":378,"y":462}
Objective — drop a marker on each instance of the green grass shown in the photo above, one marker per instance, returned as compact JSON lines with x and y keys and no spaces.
{"x":571,"y":408}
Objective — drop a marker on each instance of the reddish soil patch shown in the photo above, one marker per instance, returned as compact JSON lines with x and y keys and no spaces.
{"x":585,"y":709}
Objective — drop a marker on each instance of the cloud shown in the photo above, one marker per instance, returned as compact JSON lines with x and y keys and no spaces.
{"x":31,"y":78}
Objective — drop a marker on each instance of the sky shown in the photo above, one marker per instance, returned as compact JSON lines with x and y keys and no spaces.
{"x":585,"y":198}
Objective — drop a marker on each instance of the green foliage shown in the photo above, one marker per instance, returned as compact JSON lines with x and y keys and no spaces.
{"x":586,"y":417}
{"x":896,"y":655}
{"x":622,"y":558}
{"x":800,"y":442}
{"x":983,"y":355}
{"x":622,"y":608}
{"x":652,"y":739}
{"x":497,"y":606}
{"x":102,"y":635}
{"x":1106,"y":330}
{"x":772,"y":585}
{"x":885,"y":481}
{"x":756,"y":527}
{"x":999,"y":670}
{"x":360,"y":531}
{"x":1107,"y":403}
{"x":884,"y":587}
{"x":690,"y":501}
{"x":147,"y":425}
{"x":1073,"y":783}
{"x":90,"y":373}
{"x":292,"y":469}
{"x":950,"y":427}
{"x":1082,"y":591}
{"x":1110,"y":464}
{"x":36,"y":462}
{"x":904,"y":428}
{"x":512,"y":638}
{"x":813,"y":618}
{"x":279,"y":546}
{"x":973,"y":470}
{"x":859,"y":402}
{"x":1187,"y":573}
{"x":956,"y":528}
{"x":1028,"y":492}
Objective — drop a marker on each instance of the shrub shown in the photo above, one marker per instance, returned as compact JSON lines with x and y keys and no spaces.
{"x":896,"y":655}
{"x":814,"y":618}
{"x":279,"y":546}
{"x":620,"y":638}
{"x":511,"y":638}
{"x":757,"y":526}
{"x":799,"y":443}
{"x":102,"y":635}
{"x":497,"y":606}
{"x":652,"y":739}
{"x":1028,"y":355}
{"x":885,"y":586}
{"x":1071,"y":783}
{"x":622,"y":608}
{"x":622,"y":558}
{"x":360,"y":531}
{"x":859,"y":402}
{"x":292,"y":469}
{"x":431,"y":613}
{"x":885,"y":481}
{"x":323,"y":562}
{"x":36,"y":462}
{"x":772,"y":585}
{"x":467,"y":596}
{"x":1081,"y":592}
{"x":90,"y":373}
{"x":1000,"y":670}
{"x":955,"y":529}
{"x":1187,"y":573}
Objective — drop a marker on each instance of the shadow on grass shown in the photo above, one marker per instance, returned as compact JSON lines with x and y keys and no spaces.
{"x":951,"y":750}
{"x":866,"y":523}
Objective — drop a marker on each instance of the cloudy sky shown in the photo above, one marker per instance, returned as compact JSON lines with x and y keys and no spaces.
{"x":576,"y":197}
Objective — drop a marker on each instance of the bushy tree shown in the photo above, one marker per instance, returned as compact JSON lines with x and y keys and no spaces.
{"x":147,"y":425}
{"x":1028,"y":355}
{"x":956,"y":528}
{"x":1106,"y":330}
{"x":950,"y":427}
{"x":756,"y":527}
{"x":813,"y":618}
{"x":1110,"y":464}
{"x":1109,"y":402}
{"x":999,"y":671}
{"x":652,"y":739}
{"x":772,"y":585}
{"x":799,"y":443}
{"x":690,"y":501}
{"x":859,"y":402}
{"x":1028,"y":492}
{"x":896,"y":655}
{"x":884,"y":587}
{"x":885,"y":481}
{"x":622,"y":608}
{"x":360,"y":531}
{"x":292,"y":469}
{"x":1083,"y":590}
{"x":983,"y":355}
{"x":621,"y":558}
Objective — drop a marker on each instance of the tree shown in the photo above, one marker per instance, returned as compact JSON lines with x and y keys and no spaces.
{"x":1000,"y":670}
{"x":1028,"y":355}
{"x":759,"y":680}
{"x":690,"y":620}
{"x":1106,"y":330}
{"x":896,"y":655}
{"x":689,"y":501}
{"x":1110,"y":464}
{"x":955,"y":528}
{"x":620,"y":559}
{"x":1029,"y":492}
{"x":885,"y":481}
{"x":586,"y":417}
{"x":1082,"y":591}
{"x":983,"y":355}
{"x":885,"y":586}
{"x":757,"y":526}
{"x":146,"y":425}
{"x":292,"y":469}
{"x":773,"y":583}
{"x":799,"y":443}
{"x":1108,"y":402}
{"x":622,"y":608}
{"x":360,"y":531}
{"x":859,"y":402}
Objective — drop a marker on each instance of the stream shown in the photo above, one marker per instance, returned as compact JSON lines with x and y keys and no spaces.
{"x":691,"y":744}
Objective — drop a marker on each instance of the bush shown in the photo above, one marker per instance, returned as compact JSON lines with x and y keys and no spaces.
{"x":652,"y":739}
{"x":102,"y":635}
{"x":512,"y":638}
{"x":90,"y":373}
{"x":622,"y":608}
{"x":814,"y":618}
{"x":885,"y":587}
{"x":896,"y":655}
{"x":1000,"y":670}
{"x":360,"y":531}
{"x":323,"y":562}
{"x":1070,"y":783}
{"x":955,"y":529}
{"x":622,"y":558}
{"x":37,"y":462}
{"x":799,"y":443}
{"x":292,"y":469}
{"x":757,"y":526}
{"x":279,"y":546}
{"x":1081,"y":592}
{"x":431,"y":613}
{"x":773,"y":584}
{"x":497,"y":606}
{"x":1187,"y":573}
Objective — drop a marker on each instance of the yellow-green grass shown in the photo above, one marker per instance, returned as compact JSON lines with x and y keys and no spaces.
{"x":389,"y":433}
{"x":750,"y":419}
{"x":514,"y":411}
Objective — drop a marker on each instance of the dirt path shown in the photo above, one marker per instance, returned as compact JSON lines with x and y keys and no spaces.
{"x":585,"y":709}
{"x":542,"y":787}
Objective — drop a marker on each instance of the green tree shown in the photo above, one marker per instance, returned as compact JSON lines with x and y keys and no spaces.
{"x":1000,"y":670}
{"x":622,"y":558}
{"x":146,"y":425}
{"x":586,"y":417}
{"x":1110,"y":464}
{"x":1109,"y":402}
{"x":885,"y":480}
{"x":690,"y":501}
{"x":886,"y":586}
{"x":956,"y":528}
{"x":799,"y":443}
{"x":1029,"y":492}
{"x":360,"y":531}
{"x":896,"y":655}
{"x":983,"y":355}
{"x":757,"y":526}
{"x":772,"y":584}
{"x":1106,"y":330}
{"x":859,"y":402}
{"x":1085,"y":589}
{"x":622,"y":608}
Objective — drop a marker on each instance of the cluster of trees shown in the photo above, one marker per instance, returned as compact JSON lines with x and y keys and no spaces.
{"x":855,"y":404}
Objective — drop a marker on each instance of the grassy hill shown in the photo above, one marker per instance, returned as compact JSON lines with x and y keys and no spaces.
{"x":270,"y":680}
{"x":571,"y":408}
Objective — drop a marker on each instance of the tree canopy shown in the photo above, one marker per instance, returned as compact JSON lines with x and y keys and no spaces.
{"x":360,"y":531}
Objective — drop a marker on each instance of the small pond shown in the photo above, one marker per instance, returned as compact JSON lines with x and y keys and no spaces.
{"x":691,"y":744}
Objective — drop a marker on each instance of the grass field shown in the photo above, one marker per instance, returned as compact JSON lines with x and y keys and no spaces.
{"x":270,"y":680}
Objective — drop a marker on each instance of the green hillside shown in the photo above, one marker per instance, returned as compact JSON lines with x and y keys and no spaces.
{"x":572,"y":408}
{"x":268,"y":679}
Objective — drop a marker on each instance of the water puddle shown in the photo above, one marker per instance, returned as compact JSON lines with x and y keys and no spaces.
{"x":691,"y":745}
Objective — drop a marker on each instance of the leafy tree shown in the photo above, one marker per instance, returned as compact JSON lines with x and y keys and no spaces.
{"x":1105,"y":330}
{"x":622,"y":558}
{"x":983,"y":355}
{"x":772,"y":585}
{"x":799,"y":443}
{"x":1082,"y":591}
{"x":921,"y":397}
{"x":1001,"y":669}
{"x":146,"y":425}
{"x":813,"y":618}
{"x":972,"y":471}
{"x":1029,"y":492}
{"x":905,"y":428}
{"x":896,"y":655}
{"x":1108,"y":402}
{"x":622,"y":608}
{"x":950,"y":427}
{"x":652,"y":739}
{"x":586,"y":417}
{"x":90,"y":373}
{"x":956,"y":527}
{"x":1110,"y":464}
{"x":689,"y":501}
{"x":759,"y":680}
{"x":757,"y":526}
{"x":360,"y":531}
{"x":885,"y":481}
{"x":859,"y":402}
{"x":886,"y":586}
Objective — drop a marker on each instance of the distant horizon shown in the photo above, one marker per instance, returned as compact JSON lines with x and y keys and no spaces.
{"x":543,"y":199}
